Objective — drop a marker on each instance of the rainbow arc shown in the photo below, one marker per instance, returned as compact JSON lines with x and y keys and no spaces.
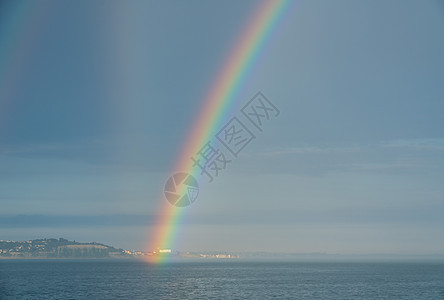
{"x":217,"y":104}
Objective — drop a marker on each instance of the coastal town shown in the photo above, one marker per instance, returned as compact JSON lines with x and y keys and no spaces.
{"x":63,"y":248}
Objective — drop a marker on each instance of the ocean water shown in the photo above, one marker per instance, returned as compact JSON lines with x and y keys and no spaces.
{"x":128,"y":279}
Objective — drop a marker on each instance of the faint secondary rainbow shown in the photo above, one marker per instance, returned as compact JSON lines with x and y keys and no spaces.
{"x":21,"y":24}
{"x":216,"y":107}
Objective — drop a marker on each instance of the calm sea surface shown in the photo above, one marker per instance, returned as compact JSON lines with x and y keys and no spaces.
{"x":96,"y":279}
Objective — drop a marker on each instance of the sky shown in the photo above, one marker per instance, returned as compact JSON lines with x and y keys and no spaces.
{"x":97,"y":99}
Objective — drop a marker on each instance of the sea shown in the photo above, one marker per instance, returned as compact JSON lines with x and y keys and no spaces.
{"x":230,"y":279}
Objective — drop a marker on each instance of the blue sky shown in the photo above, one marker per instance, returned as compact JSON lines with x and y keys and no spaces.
{"x":96,"y":99}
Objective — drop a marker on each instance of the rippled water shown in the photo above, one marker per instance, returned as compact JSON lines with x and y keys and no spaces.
{"x":96,"y":279}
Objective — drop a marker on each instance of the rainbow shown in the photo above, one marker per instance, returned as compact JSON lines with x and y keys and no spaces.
{"x":20,"y":37}
{"x":21,"y":24}
{"x":217,"y":104}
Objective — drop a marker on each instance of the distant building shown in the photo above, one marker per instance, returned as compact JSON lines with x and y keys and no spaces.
{"x":164,"y":250}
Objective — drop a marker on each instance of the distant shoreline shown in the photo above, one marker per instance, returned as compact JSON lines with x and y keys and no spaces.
{"x":63,"y":249}
{"x":173,"y":259}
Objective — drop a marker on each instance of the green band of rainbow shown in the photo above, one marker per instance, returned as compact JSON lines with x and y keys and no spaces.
{"x":218,"y":102}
